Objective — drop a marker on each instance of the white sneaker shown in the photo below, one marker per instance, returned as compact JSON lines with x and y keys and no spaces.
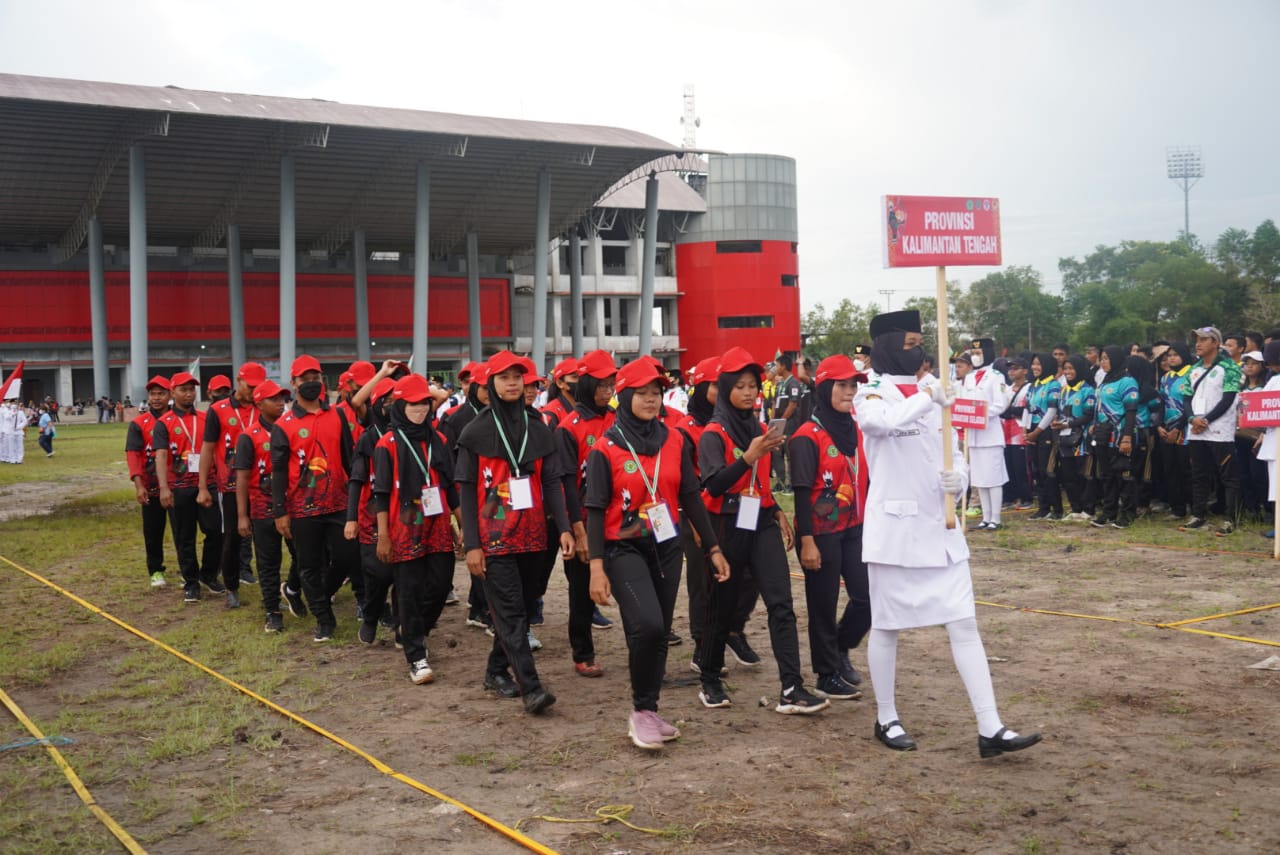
{"x":534,"y":643}
{"x":420,"y":672}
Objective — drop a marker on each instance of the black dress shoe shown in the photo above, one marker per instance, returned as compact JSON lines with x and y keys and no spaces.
{"x":897,"y":743}
{"x":996,"y":745}
{"x":537,"y":701}
{"x":502,"y":684}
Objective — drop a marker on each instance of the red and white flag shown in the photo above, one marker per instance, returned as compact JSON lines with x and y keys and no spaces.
{"x":12,"y":386}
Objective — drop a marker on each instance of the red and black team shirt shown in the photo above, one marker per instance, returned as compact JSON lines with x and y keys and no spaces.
{"x":139,"y":451}
{"x":554,"y":413}
{"x":253,"y":453}
{"x":180,"y":432}
{"x":223,"y":423}
{"x":578,"y":438}
{"x":353,"y":421}
{"x":689,"y":426}
{"x":362,"y":472}
{"x":413,"y":535}
{"x":625,"y":515}
{"x":727,"y":502}
{"x":504,"y":530}
{"x":839,"y":484}
{"x":310,"y":459}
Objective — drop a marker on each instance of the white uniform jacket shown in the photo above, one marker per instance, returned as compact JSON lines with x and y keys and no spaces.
{"x":987,"y":384}
{"x":904,"y":522}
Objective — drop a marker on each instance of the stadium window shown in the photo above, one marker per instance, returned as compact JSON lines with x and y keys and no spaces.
{"x":729,"y":246}
{"x":745,"y":322}
{"x":790,"y":280}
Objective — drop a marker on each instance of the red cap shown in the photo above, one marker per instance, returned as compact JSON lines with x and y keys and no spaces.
{"x":837,"y":367}
{"x":564,"y":368}
{"x":412,"y":389}
{"x":641,"y":372}
{"x":468,"y":370}
{"x":707,"y":370}
{"x":253,"y":373}
{"x":737,"y":359}
{"x":343,"y":378}
{"x":182,"y":378}
{"x":220,"y":381}
{"x":303,"y":364}
{"x":162,"y":382}
{"x":480,"y":374}
{"x":267,"y":389}
{"x":502,"y":361}
{"x":597,"y":364}
{"x":384,"y":387}
{"x":361,"y":371}
{"x":531,"y":376}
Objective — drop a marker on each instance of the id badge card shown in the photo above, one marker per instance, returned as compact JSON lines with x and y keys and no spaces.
{"x":664,"y":528}
{"x":193,"y":461}
{"x":1064,"y":432}
{"x":748,"y":511}
{"x":432,"y":505}
{"x":521,"y":493}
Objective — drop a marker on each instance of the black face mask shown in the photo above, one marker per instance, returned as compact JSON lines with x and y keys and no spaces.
{"x":310,"y":390}
{"x":572,"y":389}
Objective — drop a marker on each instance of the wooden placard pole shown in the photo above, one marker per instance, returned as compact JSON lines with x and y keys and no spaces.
{"x":944,"y":374}
{"x":1275,"y":523}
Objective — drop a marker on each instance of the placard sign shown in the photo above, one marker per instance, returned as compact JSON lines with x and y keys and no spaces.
{"x":969,"y":413}
{"x":939,"y":231}
{"x":1260,"y":410}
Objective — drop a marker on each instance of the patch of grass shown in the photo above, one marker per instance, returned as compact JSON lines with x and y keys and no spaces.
{"x":482,"y":758}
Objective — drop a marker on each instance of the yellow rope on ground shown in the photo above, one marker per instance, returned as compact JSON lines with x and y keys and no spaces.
{"x":511,"y":833}
{"x":1226,"y":635}
{"x":76,"y":784}
{"x":605,"y":814}
{"x":1065,"y":614}
{"x":1177,"y":623}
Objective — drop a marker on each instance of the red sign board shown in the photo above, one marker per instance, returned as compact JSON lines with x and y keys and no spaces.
{"x":941,"y":231}
{"x":968,"y":413}
{"x":1261,"y":409}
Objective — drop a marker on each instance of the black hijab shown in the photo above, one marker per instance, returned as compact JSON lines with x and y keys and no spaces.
{"x":1115,"y":356}
{"x":1142,"y":372}
{"x":1048,"y":367}
{"x":1083,"y":371}
{"x":464,"y":414}
{"x":646,"y":437}
{"x":1002,"y":365}
{"x":482,"y":434}
{"x":888,"y":357}
{"x":425,"y":443}
{"x":840,"y":426}
{"x":699,"y":407}
{"x":1180,"y":348}
{"x":741,"y":425}
{"x":586,"y":397}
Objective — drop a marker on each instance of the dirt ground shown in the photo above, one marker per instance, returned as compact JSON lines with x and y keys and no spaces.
{"x":1155,"y":740}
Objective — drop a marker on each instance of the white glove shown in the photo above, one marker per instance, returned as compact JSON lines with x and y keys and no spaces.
{"x":941,"y":396}
{"x":952,"y":481}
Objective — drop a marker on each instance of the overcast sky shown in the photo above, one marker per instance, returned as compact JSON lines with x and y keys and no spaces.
{"x":1063,"y":110}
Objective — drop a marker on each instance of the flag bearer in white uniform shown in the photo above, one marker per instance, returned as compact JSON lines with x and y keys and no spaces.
{"x":917,"y":568}
{"x":987,"y":471}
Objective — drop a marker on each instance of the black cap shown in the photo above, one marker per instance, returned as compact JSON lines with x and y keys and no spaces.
{"x":862,"y":350}
{"x":907,"y":320}
{"x":984,"y":343}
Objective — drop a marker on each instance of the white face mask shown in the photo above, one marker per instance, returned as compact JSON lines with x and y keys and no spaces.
{"x":976,"y":358}
{"x":860,"y":364}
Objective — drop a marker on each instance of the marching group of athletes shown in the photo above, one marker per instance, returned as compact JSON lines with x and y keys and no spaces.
{"x":387,"y":485}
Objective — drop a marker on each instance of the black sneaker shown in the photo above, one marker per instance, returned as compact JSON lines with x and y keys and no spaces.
{"x":1100,"y":522}
{"x":1193,"y":524}
{"x":233,"y":599}
{"x":191,"y":592}
{"x":367,"y":632}
{"x":847,"y":672}
{"x":502,"y":685}
{"x":1225,"y":529}
{"x":713,"y":696}
{"x":293,"y":599}
{"x":247,"y":577}
{"x":324,"y":633}
{"x":737,"y":642}
{"x":797,"y":701}
{"x":214,"y":586}
{"x":387,"y":620}
{"x":275,"y":623}
{"x":673,"y":640}
{"x":835,"y":687}
{"x":1119,"y":523}
{"x":359,"y":612}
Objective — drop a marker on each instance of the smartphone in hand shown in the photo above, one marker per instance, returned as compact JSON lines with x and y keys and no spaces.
{"x":777,"y":425}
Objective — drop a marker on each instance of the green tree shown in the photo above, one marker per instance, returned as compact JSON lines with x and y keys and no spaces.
{"x":1012,"y":307}
{"x":837,"y":332}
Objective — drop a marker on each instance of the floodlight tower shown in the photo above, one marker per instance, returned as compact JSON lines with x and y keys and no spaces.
{"x":1185,"y":169}
{"x":690,"y":119}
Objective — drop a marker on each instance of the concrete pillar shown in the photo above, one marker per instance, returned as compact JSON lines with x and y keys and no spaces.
{"x":66,"y":390}
{"x":98,"y":310}
{"x":235,"y":297}
{"x":650,"y":260}
{"x":421,"y":266}
{"x":360,"y":257}
{"x":474,"y":335}
{"x":541,"y":239}
{"x":288,"y":269}
{"x":595,"y":257}
{"x":138,"y":359}
{"x":124,"y":388}
{"x":575,"y":292}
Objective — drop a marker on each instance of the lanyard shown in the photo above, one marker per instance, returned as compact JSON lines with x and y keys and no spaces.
{"x":515,"y":460}
{"x":651,"y":486}
{"x":247,"y":415}
{"x":416,"y":457}
{"x":852,"y":464}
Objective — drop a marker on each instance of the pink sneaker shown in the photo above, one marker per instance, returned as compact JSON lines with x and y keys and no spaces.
{"x":668,"y":731}
{"x":643,"y":730}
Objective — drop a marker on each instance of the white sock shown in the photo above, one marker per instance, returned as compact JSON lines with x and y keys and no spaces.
{"x":984,"y":496}
{"x":882,"y":661}
{"x":971,"y":662}
{"x":997,"y":499}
